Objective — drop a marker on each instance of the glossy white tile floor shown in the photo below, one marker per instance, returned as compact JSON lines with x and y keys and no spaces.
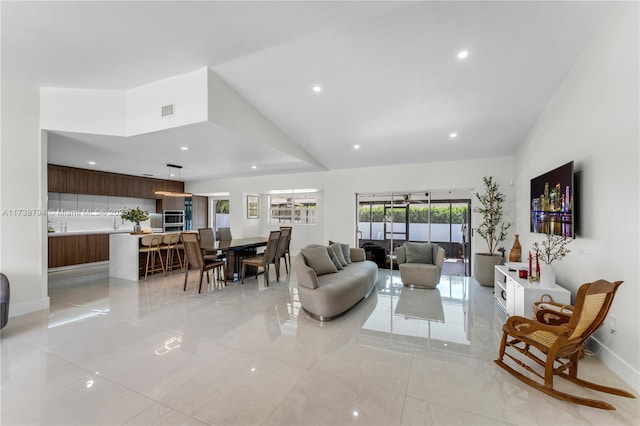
{"x":115,"y":352}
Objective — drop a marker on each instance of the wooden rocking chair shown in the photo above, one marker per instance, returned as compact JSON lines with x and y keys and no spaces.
{"x":561,"y":342}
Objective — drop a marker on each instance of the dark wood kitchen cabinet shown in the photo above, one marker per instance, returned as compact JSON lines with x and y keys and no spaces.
{"x":65,"y":250}
{"x":72,"y":180}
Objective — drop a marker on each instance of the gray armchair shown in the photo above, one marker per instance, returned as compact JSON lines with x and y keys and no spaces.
{"x":420,"y":264}
{"x":4,"y":300}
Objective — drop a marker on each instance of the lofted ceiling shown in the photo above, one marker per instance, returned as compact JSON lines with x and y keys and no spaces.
{"x":390,"y":77}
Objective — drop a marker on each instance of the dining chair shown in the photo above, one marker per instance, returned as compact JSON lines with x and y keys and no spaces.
{"x":224,"y":234}
{"x":150,"y":244}
{"x":287,"y":261}
{"x":283,"y":243}
{"x":264,"y":260}
{"x":208,"y":243}
{"x":196,"y":260}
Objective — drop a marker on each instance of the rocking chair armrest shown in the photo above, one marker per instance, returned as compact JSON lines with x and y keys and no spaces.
{"x":521,"y":326}
{"x":552,"y":317}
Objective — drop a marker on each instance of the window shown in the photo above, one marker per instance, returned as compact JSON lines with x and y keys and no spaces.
{"x":294,"y":208}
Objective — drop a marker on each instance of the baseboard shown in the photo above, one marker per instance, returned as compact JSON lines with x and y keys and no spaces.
{"x":616,"y":364}
{"x":78,"y":266}
{"x":17,"y":309}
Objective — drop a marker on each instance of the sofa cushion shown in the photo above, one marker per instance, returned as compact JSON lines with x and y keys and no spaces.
{"x":346,"y":250}
{"x":419,"y":252}
{"x":318,"y":259}
{"x":338,"y":251}
{"x":334,"y":259}
{"x":401,"y":254}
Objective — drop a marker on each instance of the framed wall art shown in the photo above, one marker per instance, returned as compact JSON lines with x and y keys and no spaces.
{"x":253,"y":204}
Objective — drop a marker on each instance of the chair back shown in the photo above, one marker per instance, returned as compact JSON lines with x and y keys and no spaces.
{"x":225,"y":234}
{"x":192,"y":249}
{"x":272,"y":247}
{"x":207,"y":238}
{"x":592,"y":305}
{"x":290,"y":228}
{"x":171,"y":239}
{"x":151,"y":240}
{"x":283,"y":242}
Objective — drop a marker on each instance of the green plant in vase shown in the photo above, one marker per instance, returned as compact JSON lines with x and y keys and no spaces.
{"x":492,"y":229}
{"x":136,"y":216}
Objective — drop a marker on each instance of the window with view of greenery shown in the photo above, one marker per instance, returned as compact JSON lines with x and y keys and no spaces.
{"x":298,"y":208}
{"x":417,"y":214}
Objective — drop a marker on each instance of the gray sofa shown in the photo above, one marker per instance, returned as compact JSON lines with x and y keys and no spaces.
{"x":420,"y":264}
{"x":325,"y":295}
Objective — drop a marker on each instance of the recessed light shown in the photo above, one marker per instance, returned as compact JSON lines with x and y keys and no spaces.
{"x":184,"y":148}
{"x":317,"y":89}
{"x":172,"y":174}
{"x":93,"y":163}
{"x":463,"y":54}
{"x":254,"y":167}
{"x":453,"y":135}
{"x":356,"y":147}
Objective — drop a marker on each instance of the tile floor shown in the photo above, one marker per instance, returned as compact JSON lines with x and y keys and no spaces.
{"x":116,"y":352}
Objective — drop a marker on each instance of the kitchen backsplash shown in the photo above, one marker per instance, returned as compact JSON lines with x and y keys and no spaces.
{"x":80,"y":212}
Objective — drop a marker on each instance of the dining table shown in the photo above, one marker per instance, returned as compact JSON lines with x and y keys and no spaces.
{"x":237,"y":249}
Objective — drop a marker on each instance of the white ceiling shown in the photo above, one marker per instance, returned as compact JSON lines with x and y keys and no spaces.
{"x":390,"y":76}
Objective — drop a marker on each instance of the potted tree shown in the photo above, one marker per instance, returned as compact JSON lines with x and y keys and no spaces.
{"x":492,"y":229}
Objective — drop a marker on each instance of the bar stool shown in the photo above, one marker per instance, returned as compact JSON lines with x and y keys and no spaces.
{"x":151,"y":246}
{"x":171,"y":243}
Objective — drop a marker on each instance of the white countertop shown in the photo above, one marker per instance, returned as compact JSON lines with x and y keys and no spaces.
{"x":91,"y":232}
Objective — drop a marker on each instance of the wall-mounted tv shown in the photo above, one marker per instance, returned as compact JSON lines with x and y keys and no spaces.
{"x":552,"y":202}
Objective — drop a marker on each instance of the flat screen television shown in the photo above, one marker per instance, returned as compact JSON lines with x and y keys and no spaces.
{"x":553,"y":203}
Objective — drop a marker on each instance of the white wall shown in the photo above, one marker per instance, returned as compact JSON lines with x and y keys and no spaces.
{"x":187,"y":91}
{"x":83,"y":111}
{"x":593,"y":120}
{"x":126,"y":112}
{"x":23,"y":189}
{"x":336,"y":219}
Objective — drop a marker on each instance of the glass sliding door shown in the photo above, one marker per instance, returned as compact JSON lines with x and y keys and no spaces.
{"x":450,"y":230}
{"x":386,"y":221}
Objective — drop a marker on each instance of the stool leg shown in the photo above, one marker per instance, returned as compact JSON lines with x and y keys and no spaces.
{"x":169,"y":259}
{"x":164,"y":269}
{"x":146,"y":269}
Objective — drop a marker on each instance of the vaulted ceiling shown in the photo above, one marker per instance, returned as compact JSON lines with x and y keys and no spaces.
{"x":389,"y":75}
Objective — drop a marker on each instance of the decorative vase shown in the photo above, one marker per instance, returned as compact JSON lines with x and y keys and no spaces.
{"x":137,"y":228}
{"x":547,"y":275}
{"x":516,"y":250}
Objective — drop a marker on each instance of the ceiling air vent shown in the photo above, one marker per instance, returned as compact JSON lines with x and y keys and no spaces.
{"x":168,"y":110}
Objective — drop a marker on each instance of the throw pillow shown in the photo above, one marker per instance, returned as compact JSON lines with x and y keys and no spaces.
{"x":318,"y":259}
{"x":346,"y":252}
{"x":334,"y":259}
{"x":338,"y":251}
{"x":419,"y":252}
{"x":401,"y":254}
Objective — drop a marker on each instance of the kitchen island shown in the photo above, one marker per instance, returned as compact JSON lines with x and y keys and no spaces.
{"x":124,"y":255}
